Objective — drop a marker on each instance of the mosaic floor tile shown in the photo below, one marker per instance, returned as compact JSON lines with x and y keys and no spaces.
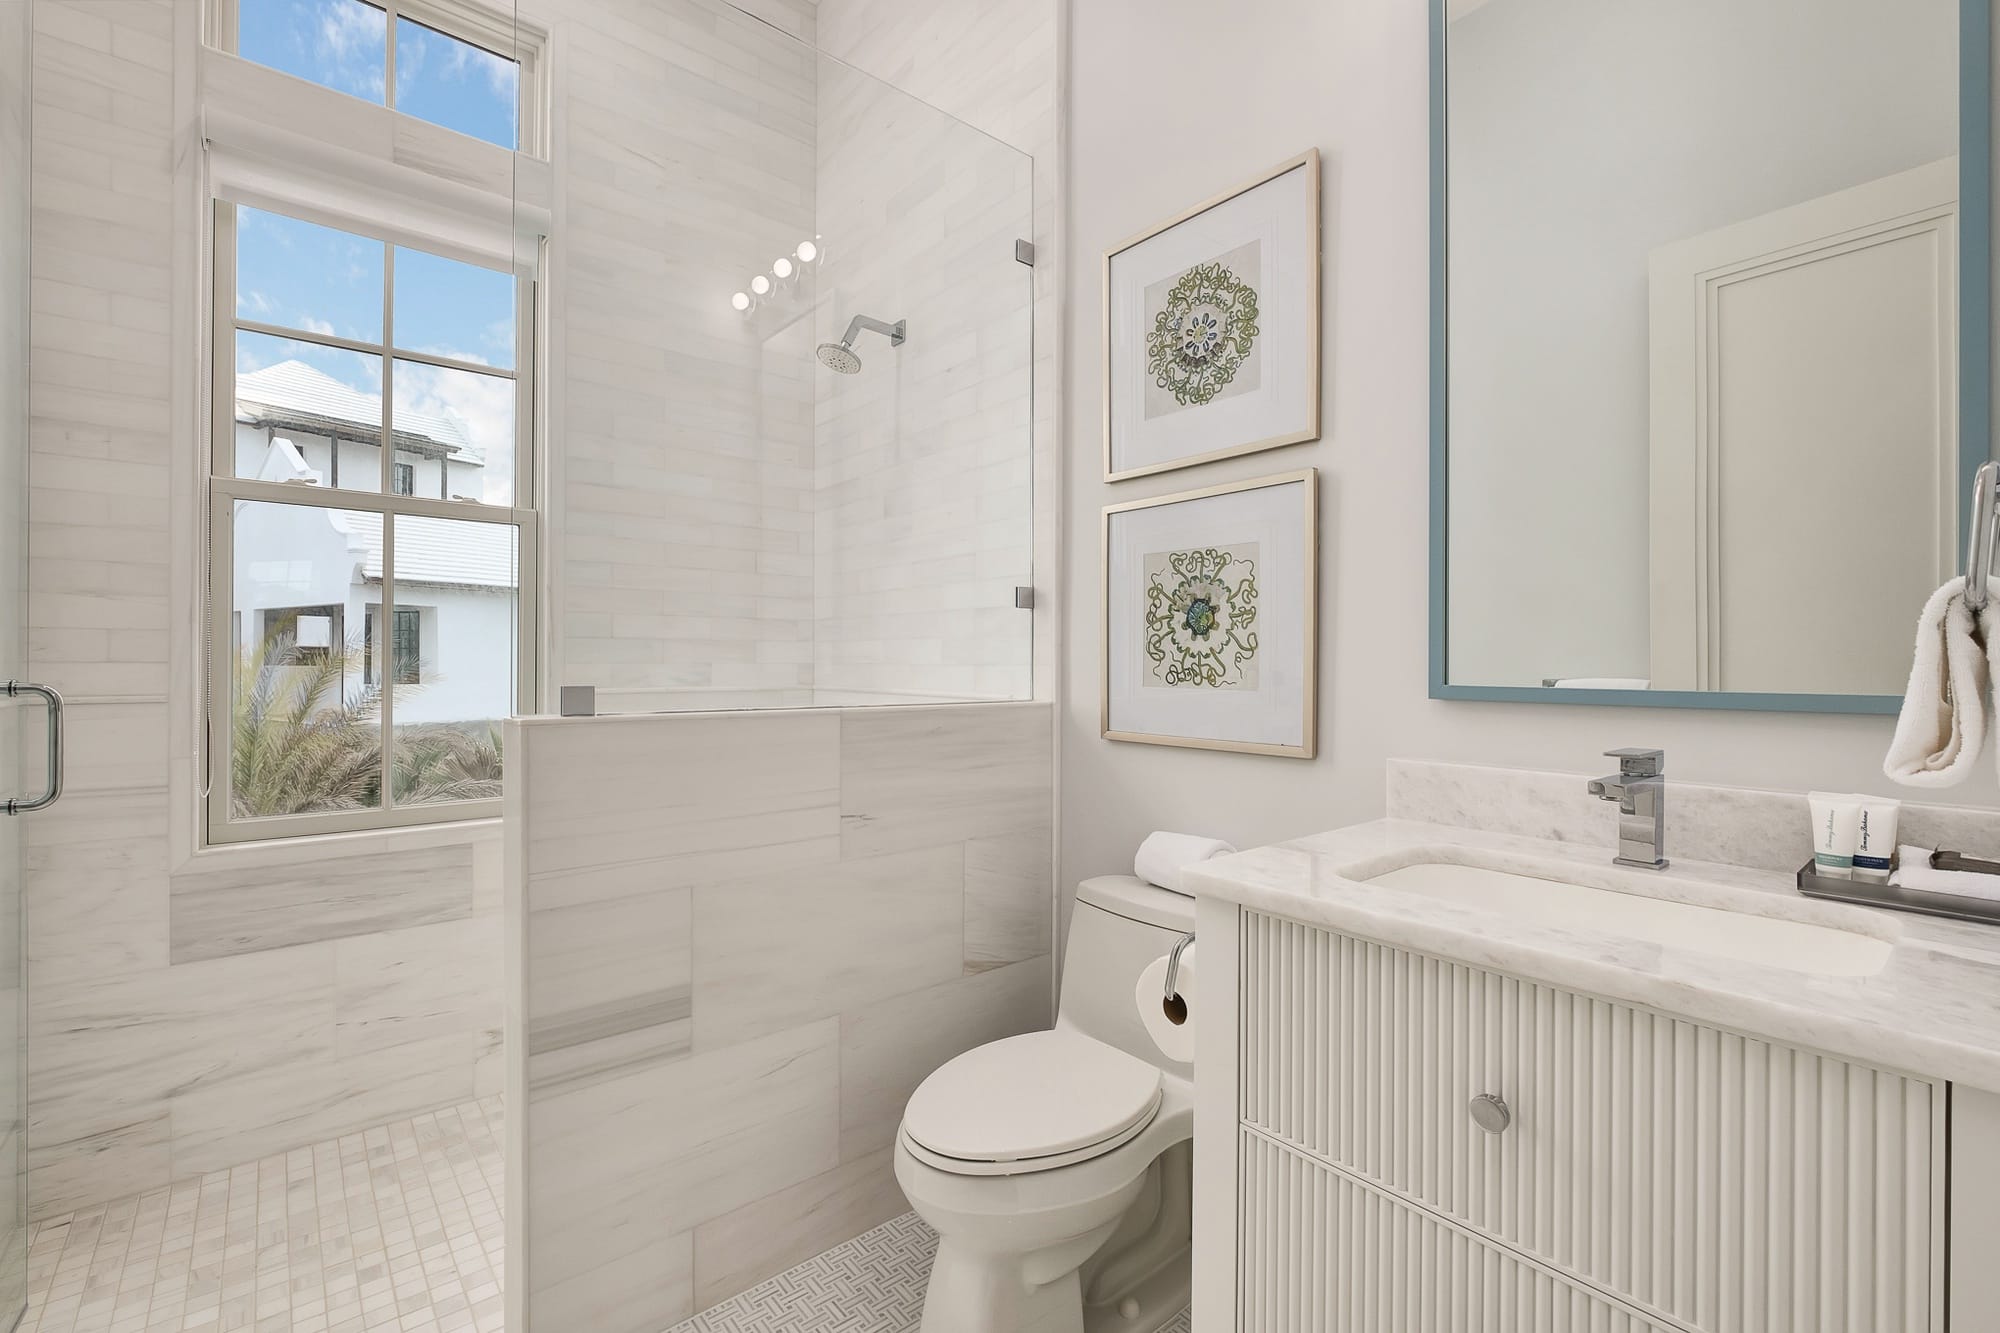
{"x":396,"y":1227}
{"x":871,"y":1284}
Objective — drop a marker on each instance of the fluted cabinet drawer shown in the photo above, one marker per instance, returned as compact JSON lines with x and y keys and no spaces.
{"x":1730,"y":1184}
{"x":1323,"y":1253}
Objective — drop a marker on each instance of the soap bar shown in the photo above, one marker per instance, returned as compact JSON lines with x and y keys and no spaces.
{"x":1914,"y":871}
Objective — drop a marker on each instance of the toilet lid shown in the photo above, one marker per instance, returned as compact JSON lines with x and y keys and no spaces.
{"x":1031,"y":1096}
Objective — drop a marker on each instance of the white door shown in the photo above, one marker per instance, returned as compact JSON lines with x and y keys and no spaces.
{"x":1804,"y":439}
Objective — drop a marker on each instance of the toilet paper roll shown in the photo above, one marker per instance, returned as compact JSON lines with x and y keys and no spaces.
{"x":1175,"y":1040}
{"x":1162,"y":856}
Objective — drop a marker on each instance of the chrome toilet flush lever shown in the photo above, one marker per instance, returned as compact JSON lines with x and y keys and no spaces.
{"x":1640,"y":789}
{"x":1173,"y":1005}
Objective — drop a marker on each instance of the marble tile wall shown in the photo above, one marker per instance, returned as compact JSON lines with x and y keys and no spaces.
{"x":188,"y":1018}
{"x":743,"y":940}
{"x":1744,"y":826}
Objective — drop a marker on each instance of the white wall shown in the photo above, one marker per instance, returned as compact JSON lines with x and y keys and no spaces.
{"x":1701,"y":113}
{"x":1351,"y":77}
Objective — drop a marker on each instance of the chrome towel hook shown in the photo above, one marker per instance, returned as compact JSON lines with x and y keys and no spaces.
{"x":1979,"y":541}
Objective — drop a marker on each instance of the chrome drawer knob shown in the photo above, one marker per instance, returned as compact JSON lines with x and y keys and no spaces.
{"x":1490,"y":1113}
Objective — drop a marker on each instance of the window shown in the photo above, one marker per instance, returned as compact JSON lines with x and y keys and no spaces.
{"x":369,"y":456}
{"x":406,"y":645}
{"x":454,"y":63}
{"x":307,"y":633}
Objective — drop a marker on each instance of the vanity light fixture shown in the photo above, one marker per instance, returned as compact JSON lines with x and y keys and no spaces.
{"x":740,"y":301}
{"x":782,"y":267}
{"x":761,"y":285}
{"x":807,"y":252}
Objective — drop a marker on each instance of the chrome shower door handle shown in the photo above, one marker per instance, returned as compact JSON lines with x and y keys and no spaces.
{"x":54,"y":702}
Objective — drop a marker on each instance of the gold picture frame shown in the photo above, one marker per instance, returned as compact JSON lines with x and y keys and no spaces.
{"x":1302,"y":592}
{"x":1117,"y":385}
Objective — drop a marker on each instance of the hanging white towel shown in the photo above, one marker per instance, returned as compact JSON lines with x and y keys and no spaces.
{"x":1945,"y":717}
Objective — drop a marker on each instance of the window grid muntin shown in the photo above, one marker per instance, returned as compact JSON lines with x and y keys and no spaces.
{"x":226,"y":488}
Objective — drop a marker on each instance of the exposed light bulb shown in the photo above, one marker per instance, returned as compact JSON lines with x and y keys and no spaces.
{"x":782,"y":267}
{"x":760,"y":284}
{"x":741,"y":300}
{"x":807,"y":252}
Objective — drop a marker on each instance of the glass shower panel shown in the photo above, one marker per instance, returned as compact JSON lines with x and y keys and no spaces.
{"x":15,"y":45}
{"x":795,"y":459}
{"x":922,"y":462}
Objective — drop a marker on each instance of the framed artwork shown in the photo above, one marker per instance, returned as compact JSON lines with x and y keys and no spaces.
{"x":1211,"y":617}
{"x":1211,"y":328}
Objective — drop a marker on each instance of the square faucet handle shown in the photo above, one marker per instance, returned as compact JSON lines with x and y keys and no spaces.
{"x":1639,"y":763}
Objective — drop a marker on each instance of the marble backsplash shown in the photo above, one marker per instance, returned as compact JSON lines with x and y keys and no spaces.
{"x":1744,"y":826}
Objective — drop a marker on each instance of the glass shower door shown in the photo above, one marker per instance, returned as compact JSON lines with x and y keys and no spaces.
{"x":20,"y":723}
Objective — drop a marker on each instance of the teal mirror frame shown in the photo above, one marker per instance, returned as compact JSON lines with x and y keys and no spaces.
{"x":1975,"y":406}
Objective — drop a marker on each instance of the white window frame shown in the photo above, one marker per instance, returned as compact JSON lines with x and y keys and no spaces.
{"x":225,"y":489}
{"x":492,"y":29}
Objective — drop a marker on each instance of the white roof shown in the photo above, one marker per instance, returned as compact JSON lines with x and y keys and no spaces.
{"x":439,"y":550}
{"x":293,"y":388}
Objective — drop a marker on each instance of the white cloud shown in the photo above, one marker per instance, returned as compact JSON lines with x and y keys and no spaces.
{"x":481,"y":405}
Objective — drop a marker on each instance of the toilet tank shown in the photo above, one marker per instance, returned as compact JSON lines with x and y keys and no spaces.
{"x":1120,"y":925}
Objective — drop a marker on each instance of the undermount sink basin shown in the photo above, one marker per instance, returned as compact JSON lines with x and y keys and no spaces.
{"x":1772,"y":941}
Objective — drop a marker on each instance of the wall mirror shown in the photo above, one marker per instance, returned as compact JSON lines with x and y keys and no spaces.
{"x":1711,"y":343}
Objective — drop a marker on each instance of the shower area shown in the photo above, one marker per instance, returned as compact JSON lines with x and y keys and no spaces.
{"x":613,"y":1030}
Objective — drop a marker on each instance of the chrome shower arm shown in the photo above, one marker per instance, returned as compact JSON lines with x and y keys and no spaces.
{"x":895,"y":333}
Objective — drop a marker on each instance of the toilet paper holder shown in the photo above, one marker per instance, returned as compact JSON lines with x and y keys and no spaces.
{"x":1173,"y":1005}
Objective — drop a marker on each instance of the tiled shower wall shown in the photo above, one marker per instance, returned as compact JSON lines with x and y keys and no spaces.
{"x":742,"y":941}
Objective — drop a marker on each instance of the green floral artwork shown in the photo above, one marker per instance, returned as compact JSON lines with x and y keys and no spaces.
{"x":1203,"y":334}
{"x":1201,"y":618}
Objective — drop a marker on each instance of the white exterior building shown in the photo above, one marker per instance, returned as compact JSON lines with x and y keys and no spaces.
{"x":317,"y":573}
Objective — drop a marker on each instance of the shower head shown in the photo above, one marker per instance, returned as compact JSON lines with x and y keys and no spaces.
{"x":841,"y":357}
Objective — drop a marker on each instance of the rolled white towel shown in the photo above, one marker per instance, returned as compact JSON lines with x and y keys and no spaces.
{"x":1163,"y":855}
{"x":1914,"y":871}
{"x":1942,"y":727}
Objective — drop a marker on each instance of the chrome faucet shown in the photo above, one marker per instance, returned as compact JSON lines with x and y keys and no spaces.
{"x":1640,"y":788}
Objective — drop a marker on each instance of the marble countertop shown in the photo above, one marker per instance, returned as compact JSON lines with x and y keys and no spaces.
{"x":1933,"y":1009}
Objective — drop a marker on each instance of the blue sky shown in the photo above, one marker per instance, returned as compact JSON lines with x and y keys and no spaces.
{"x":316,"y":279}
{"x":343,"y":44}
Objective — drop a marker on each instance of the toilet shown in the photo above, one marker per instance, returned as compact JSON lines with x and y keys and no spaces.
{"x":1056,"y":1167}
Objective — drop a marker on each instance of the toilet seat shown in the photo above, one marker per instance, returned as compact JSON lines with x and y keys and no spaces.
{"x":1030,"y":1103}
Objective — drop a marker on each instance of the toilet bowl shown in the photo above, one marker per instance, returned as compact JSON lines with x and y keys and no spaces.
{"x":1055,"y":1166}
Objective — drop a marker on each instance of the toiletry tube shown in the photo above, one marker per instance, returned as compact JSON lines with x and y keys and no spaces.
{"x":1875,"y":838}
{"x":1836,"y":824}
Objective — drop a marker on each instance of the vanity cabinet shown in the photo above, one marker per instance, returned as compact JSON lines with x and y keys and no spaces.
{"x":1626,"y":1169}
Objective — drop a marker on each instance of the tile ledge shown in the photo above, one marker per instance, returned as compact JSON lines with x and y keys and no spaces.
{"x":320,"y":847}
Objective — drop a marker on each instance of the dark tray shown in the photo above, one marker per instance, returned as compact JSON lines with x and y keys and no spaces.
{"x":1871,"y":894}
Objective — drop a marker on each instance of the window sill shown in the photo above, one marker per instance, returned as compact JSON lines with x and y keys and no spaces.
{"x":338,"y":846}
